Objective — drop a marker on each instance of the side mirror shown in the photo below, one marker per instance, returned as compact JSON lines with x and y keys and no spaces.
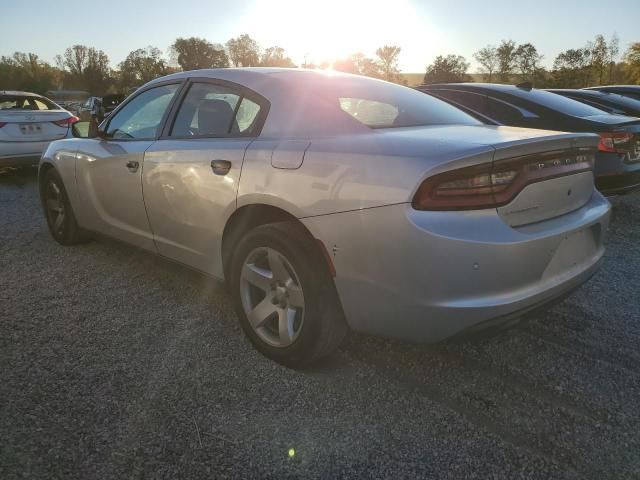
{"x":81,"y":130}
{"x":88,"y":129}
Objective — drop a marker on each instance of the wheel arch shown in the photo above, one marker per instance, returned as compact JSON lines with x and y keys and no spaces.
{"x":251,"y":216}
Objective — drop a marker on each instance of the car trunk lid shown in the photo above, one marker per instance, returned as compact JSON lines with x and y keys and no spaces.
{"x":556,"y":173}
{"x":32,"y":126}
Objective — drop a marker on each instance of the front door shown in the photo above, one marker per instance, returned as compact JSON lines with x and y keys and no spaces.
{"x":191,"y":175}
{"x":109,"y":169}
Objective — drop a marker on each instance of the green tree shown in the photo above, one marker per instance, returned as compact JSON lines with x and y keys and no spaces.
{"x":506,"y":59}
{"x":599,"y":57}
{"x":359,"y":64}
{"x":244,"y":51}
{"x":141,"y":66}
{"x":632,"y":64}
{"x":194,"y":53}
{"x":613,"y":52}
{"x":86,"y":68}
{"x":449,"y":69}
{"x":25,"y":71}
{"x":275,"y":57}
{"x":388,"y":62}
{"x":487,"y":57}
{"x":527,"y":60}
{"x":571,"y":68}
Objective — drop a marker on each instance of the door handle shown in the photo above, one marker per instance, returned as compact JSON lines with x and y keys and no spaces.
{"x":220,"y":167}
{"x":132,"y":165}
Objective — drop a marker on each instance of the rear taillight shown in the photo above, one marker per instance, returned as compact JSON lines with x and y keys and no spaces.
{"x":616,"y":142}
{"x":494,"y":184}
{"x":67,"y":122}
{"x":2,"y":124}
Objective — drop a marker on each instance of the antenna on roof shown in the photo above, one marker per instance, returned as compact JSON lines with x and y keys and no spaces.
{"x":525,"y":86}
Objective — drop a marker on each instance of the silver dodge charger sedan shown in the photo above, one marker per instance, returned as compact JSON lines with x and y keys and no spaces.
{"x":330,"y":201}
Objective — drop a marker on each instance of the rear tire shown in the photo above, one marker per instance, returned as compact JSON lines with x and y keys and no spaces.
{"x":58,"y":211}
{"x":284,"y":295}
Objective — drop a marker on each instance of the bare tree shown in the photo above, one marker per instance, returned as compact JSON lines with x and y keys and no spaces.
{"x":487,"y":57}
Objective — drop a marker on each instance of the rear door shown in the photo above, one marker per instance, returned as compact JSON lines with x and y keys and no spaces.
{"x":109,"y":169}
{"x":191,"y":174}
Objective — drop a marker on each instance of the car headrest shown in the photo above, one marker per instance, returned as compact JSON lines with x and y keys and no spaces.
{"x":214,"y":117}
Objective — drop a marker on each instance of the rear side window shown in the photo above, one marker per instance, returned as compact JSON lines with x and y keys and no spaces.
{"x":377,"y":104}
{"x":370,"y":112}
{"x":474,"y":101}
{"x":558,"y":103}
{"x":18,"y":102}
{"x":503,"y":112}
{"x":211,"y":110}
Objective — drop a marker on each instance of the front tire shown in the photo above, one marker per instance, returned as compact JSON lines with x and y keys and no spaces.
{"x":58,"y":211}
{"x":284,"y":295}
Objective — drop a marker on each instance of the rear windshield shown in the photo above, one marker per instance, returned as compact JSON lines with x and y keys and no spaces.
{"x":559,"y":103}
{"x":616,"y":99}
{"x":385,"y":105}
{"x":18,"y":102}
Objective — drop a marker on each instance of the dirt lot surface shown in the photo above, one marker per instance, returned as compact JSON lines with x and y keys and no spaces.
{"x":116,"y":364}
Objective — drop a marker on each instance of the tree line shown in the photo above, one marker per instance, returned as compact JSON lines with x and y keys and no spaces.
{"x":82,"y":67}
{"x":87,"y":68}
{"x":596,"y":63}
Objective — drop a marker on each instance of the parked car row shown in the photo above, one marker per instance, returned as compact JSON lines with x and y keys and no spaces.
{"x":330,"y":202}
{"x":617,"y":166}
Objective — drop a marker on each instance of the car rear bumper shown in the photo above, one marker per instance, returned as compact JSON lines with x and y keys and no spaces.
{"x":619,"y":184}
{"x":28,"y":160}
{"x":613,"y":176}
{"x":426,"y":276}
{"x":20,"y":152}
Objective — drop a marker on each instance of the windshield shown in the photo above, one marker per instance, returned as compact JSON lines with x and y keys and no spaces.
{"x":24,"y":102}
{"x":379,"y":104}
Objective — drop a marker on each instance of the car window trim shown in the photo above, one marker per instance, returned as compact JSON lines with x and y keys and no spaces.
{"x":180,"y":82}
{"x":242,"y":92}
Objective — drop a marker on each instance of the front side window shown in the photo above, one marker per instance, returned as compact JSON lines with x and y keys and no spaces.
{"x":142,"y":116}
{"x":211,"y":110}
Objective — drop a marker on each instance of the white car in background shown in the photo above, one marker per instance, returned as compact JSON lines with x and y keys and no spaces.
{"x":28,"y":123}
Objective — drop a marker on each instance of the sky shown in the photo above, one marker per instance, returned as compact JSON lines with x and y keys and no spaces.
{"x":320,"y":30}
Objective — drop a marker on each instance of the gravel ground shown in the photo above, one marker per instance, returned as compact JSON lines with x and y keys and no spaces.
{"x":116,"y":364}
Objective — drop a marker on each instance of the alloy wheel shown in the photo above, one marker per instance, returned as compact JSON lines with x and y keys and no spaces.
{"x":55,"y":207}
{"x":272,"y":297}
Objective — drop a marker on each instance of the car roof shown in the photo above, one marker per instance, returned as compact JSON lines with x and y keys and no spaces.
{"x":19,"y":93}
{"x":248,"y":76}
{"x":630,"y":88}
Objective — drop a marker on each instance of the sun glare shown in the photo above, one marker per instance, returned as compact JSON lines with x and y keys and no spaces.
{"x":318,"y":32}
